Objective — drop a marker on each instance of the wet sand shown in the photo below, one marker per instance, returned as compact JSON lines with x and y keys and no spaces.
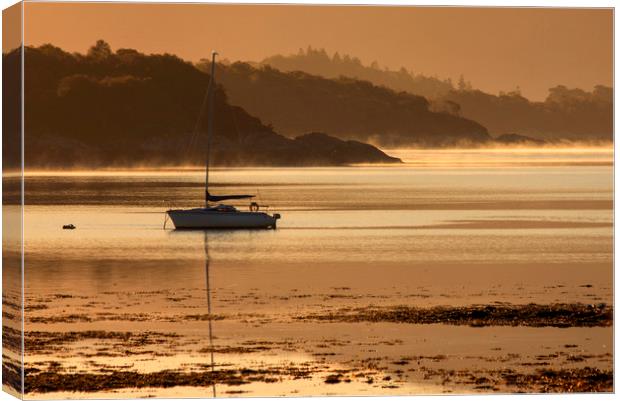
{"x":289,"y":334}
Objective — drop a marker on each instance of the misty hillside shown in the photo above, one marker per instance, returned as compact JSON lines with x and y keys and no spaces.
{"x":126,"y":108}
{"x":318,"y":62}
{"x":297,"y":102}
{"x":565,"y":114}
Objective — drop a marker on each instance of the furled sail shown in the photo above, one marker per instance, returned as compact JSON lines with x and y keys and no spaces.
{"x":216,"y":198}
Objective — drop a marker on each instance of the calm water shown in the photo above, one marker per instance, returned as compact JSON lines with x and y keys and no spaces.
{"x":459,"y":228}
{"x":371,"y":214}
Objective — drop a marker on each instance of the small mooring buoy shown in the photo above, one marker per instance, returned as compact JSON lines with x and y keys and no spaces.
{"x":68,"y":227}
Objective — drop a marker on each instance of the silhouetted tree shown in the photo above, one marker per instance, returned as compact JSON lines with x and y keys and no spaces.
{"x":319,"y":63}
{"x":100,"y":51}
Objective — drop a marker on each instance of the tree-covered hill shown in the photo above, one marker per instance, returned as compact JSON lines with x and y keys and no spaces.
{"x":572,"y":114}
{"x":126,"y":108}
{"x":318,"y":62}
{"x":297,"y":102}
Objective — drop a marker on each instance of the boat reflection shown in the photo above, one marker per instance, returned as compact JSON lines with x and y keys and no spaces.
{"x":210,"y":320}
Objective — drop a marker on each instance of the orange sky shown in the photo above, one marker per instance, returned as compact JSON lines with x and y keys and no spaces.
{"x":495,"y":48}
{"x":11,"y":27}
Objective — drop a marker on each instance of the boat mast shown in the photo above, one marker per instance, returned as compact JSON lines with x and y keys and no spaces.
{"x":211,"y":102}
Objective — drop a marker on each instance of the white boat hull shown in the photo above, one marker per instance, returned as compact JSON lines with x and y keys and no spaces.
{"x":203,"y":219}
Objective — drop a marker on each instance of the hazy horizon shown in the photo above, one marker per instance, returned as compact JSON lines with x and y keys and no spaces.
{"x":497,"y":49}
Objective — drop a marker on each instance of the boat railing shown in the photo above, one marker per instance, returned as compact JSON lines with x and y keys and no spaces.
{"x":262,"y":207}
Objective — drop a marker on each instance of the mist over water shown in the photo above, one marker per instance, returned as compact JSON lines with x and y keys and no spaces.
{"x":505,"y":156}
{"x":340,"y":212}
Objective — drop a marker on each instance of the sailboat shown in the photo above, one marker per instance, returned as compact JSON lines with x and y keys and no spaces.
{"x":219,"y":215}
